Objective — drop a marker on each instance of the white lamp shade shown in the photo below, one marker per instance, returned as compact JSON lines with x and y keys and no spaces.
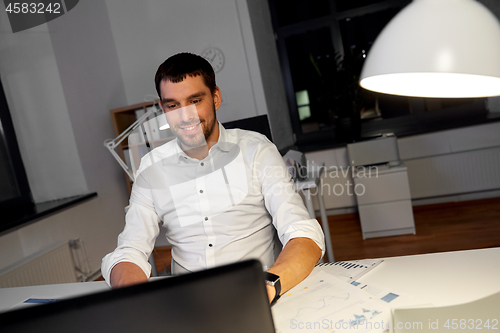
{"x":436,"y":48}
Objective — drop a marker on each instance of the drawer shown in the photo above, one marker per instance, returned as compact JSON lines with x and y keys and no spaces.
{"x":382,"y":188}
{"x":386,"y":216}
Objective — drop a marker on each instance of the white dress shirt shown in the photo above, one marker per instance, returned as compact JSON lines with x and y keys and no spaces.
{"x":225,"y":208}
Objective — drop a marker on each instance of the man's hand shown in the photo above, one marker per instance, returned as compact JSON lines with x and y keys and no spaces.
{"x":294,"y":264}
{"x":126,"y":274}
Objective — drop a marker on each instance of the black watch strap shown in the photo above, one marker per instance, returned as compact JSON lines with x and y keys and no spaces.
{"x":274,"y":280}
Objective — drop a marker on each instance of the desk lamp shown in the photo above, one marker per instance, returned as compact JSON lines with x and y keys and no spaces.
{"x":146,"y":127}
{"x":436,"y":48}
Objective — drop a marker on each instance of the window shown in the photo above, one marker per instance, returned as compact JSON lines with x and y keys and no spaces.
{"x":15,"y":193}
{"x":16,"y":203}
{"x":296,"y":11}
{"x":322,"y":46}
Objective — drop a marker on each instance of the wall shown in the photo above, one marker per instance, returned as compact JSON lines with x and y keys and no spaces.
{"x":262,"y":53}
{"x":146,"y":33}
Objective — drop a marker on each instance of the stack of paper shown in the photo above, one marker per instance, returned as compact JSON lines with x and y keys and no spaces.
{"x":324,"y":303}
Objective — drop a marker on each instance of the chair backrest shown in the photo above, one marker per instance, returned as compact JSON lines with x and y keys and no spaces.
{"x":258,"y":124}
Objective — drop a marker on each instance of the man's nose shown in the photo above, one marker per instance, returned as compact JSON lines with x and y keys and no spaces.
{"x":188,"y":113}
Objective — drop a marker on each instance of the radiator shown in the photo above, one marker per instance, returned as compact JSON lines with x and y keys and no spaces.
{"x":463,"y":172}
{"x":51,"y":266}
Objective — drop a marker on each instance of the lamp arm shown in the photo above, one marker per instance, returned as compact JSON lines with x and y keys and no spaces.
{"x":133,"y":127}
{"x":112,"y":144}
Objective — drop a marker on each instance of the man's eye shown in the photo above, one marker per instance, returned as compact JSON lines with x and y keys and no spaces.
{"x":171,"y":106}
{"x":195,"y":101}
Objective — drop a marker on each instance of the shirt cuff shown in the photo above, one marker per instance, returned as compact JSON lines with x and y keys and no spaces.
{"x":306,"y":229}
{"x":114,"y":258}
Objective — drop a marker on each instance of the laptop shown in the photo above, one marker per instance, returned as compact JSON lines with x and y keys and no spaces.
{"x":230,"y":298}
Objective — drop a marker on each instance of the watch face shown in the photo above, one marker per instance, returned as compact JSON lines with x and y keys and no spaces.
{"x":215,"y":57}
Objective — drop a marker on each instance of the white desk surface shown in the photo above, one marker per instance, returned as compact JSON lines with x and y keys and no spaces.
{"x":10,"y":297}
{"x":438,"y":279}
{"x":441,"y":279}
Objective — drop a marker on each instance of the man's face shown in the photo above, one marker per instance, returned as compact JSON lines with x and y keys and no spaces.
{"x":190,"y":108}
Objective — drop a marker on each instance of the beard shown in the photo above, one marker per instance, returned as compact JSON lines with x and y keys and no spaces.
{"x":199,"y":138}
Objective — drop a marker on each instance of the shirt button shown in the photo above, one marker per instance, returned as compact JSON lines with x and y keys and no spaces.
{"x":210,"y":245}
{"x":206,"y":218}
{"x":201,"y":191}
{"x":202,"y":164}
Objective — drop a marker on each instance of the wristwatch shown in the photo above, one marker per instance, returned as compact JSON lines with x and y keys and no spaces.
{"x":273,"y":280}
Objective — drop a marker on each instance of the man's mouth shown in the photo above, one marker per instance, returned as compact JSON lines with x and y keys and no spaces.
{"x":190,"y":129}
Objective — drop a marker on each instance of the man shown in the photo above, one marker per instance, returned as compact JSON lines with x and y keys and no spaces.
{"x":223,"y":195}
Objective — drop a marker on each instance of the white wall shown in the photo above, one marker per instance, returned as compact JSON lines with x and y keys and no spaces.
{"x":148,"y":32}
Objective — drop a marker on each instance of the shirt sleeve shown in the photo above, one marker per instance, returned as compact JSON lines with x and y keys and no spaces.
{"x":137,"y":240}
{"x":289,"y":214}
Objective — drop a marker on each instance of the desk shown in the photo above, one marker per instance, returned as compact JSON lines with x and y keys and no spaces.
{"x":442,"y":278}
{"x":308,"y":184}
{"x":433,"y":280}
{"x":439,"y":279}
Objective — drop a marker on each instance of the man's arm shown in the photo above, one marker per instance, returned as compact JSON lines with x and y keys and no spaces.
{"x":294,"y":264}
{"x":302,"y":235}
{"x":126,"y":274}
{"x":128,"y":263}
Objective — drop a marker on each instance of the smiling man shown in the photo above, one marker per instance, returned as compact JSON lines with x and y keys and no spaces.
{"x":222,"y":195}
{"x":195,"y":128}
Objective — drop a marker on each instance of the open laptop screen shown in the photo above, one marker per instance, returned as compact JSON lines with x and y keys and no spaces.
{"x":229,"y":298}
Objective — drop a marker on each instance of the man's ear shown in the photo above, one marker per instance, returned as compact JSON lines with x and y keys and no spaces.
{"x":217,"y":97}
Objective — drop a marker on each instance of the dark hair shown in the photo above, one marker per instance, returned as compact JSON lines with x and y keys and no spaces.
{"x":177,"y":67}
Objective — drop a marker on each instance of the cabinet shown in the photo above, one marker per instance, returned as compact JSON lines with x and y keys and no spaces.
{"x":381,"y":187}
{"x":384,"y":202}
{"x":121,"y":119}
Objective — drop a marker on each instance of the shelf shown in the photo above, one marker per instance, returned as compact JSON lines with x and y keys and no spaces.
{"x":121,"y":119}
{"x":16,"y":218}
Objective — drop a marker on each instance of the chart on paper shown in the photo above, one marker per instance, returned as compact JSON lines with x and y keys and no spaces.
{"x":349,"y":270}
{"x":324,"y":303}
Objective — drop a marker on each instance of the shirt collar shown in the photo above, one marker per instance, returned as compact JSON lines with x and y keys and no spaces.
{"x":224,"y":137}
